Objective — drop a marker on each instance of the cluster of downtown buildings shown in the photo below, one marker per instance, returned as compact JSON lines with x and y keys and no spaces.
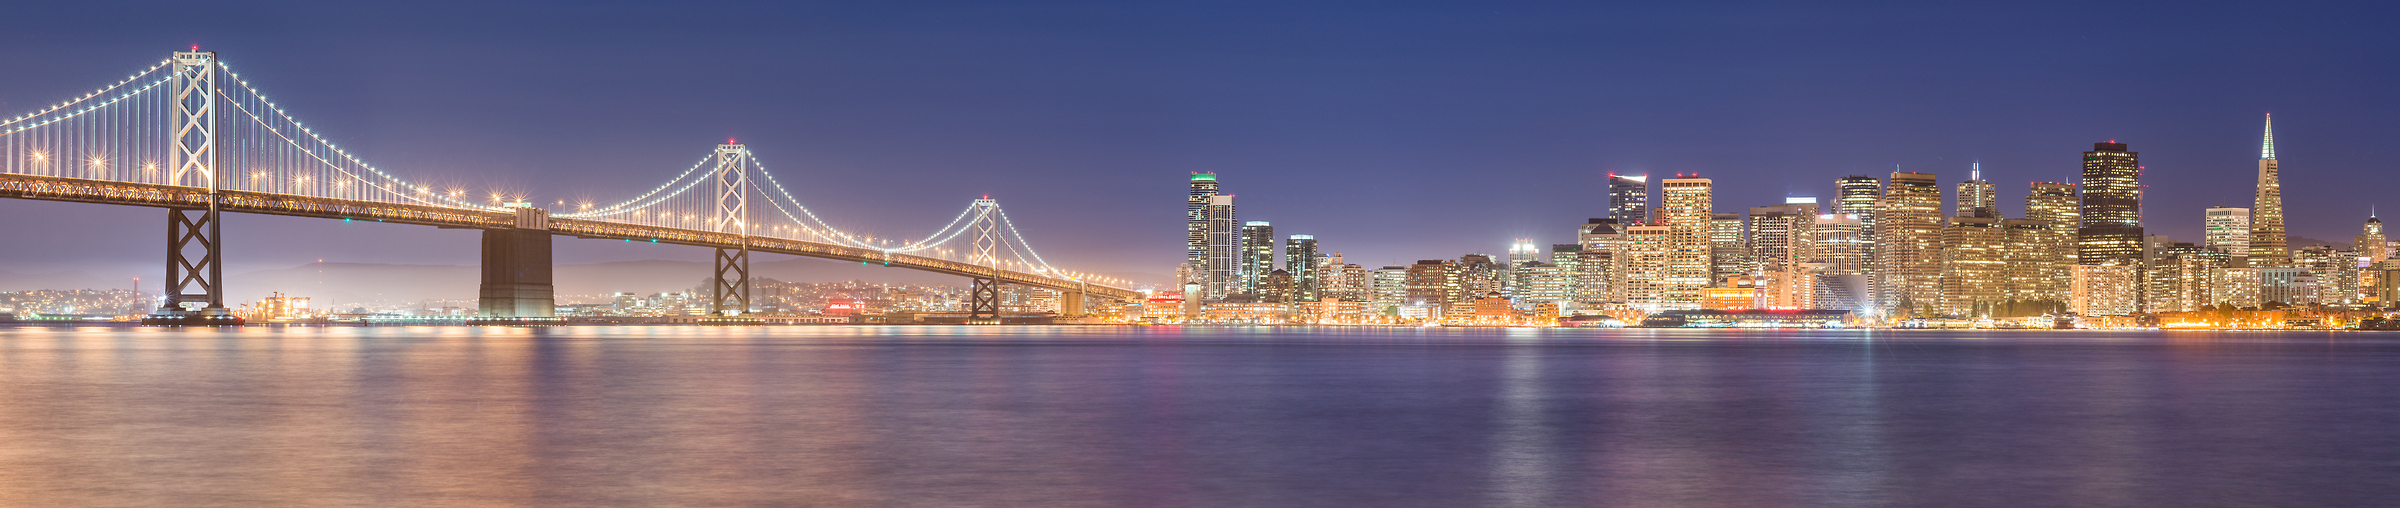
{"x":1879,"y":251}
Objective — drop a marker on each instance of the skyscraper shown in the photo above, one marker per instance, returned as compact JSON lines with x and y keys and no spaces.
{"x":2370,"y":242}
{"x":1974,"y":271}
{"x":1687,"y":214}
{"x":1841,"y":263}
{"x":1781,"y":243}
{"x":1856,"y":195}
{"x":1976,"y":197}
{"x":1258,"y":256}
{"x":1300,"y":258}
{"x":2053,"y":206}
{"x":2266,"y":216}
{"x":1908,"y":243}
{"x":1195,"y":212}
{"x":2229,"y":232}
{"x":1628,"y":198}
{"x":2112,"y":207}
{"x":1224,"y":249}
{"x":1729,"y":253}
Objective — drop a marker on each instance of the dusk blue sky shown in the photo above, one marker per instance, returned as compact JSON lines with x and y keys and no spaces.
{"x":1392,"y":131}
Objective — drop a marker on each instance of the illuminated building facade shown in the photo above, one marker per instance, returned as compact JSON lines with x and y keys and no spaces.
{"x":1976,"y":197}
{"x":2228,"y":231}
{"x":2103,"y":290}
{"x":1686,"y":214}
{"x":1974,"y":269}
{"x":1629,"y":198}
{"x":1258,"y":255}
{"x":1224,"y":262}
{"x":1908,"y":242}
{"x":1644,"y":259}
{"x":2267,"y":248}
{"x":2112,"y":207}
{"x":1300,"y":258}
{"x":2053,"y":205}
{"x":1195,"y":254}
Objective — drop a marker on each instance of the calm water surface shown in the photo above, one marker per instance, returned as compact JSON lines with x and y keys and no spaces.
{"x":1066,"y":417}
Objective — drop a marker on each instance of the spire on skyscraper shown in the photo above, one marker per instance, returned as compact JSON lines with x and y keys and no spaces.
{"x":2267,"y":150}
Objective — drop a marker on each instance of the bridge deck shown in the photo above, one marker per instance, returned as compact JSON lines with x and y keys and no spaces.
{"x":49,"y":188}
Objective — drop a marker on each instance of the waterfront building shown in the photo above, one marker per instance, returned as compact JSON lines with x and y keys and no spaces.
{"x":2267,"y":248}
{"x":1739,"y":292}
{"x":2033,"y":273}
{"x":2372,"y":249}
{"x":2336,"y":273}
{"x":2181,"y":276}
{"x":1519,"y":254}
{"x":2103,"y":290}
{"x":2290,"y":286}
{"x":1568,"y":257}
{"x":1195,"y":253}
{"x":1628,"y":198}
{"x":1342,"y":282}
{"x":2112,"y":207}
{"x":1258,"y":255}
{"x":1547,"y":283}
{"x":1908,"y":242}
{"x":2233,"y":286}
{"x":1300,"y":258}
{"x":2229,"y":231}
{"x":1224,"y":249}
{"x":1686,"y":215}
{"x":1976,"y":197}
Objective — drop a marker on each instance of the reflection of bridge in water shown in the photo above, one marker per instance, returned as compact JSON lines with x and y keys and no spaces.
{"x":191,"y":136}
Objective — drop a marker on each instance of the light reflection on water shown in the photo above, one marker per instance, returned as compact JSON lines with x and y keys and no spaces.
{"x":1067,"y":416}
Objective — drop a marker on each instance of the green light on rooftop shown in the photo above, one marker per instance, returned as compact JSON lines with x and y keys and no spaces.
{"x":1204,"y":177}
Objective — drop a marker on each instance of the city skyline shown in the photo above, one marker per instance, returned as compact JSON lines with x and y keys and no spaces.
{"x":2019,"y":127}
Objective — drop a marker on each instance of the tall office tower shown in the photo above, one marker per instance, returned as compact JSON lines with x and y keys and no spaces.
{"x":2266,"y":216}
{"x":1300,"y":258}
{"x":1432,"y":285}
{"x":1391,"y":290}
{"x":1566,"y":256}
{"x":1974,"y":265}
{"x":1520,"y":253}
{"x":2370,"y":243}
{"x":2229,"y":232}
{"x":1976,"y":197}
{"x":2112,"y":210}
{"x":2372,"y":249}
{"x":1908,"y":243}
{"x":1645,"y":265}
{"x":1195,"y":212}
{"x":1478,"y":275}
{"x":2053,"y":205}
{"x":1841,"y":260}
{"x":1780,"y":242}
{"x":1857,"y":195}
{"x":2035,"y":274}
{"x":1686,"y":214}
{"x":1728,"y":254}
{"x":1628,"y":198}
{"x":1258,"y":256}
{"x":1596,"y":270}
{"x":1224,"y":249}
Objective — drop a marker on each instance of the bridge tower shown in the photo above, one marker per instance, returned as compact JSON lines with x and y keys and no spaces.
{"x":195,"y":250}
{"x":983,"y":304}
{"x":517,"y":268}
{"x":729,"y":296}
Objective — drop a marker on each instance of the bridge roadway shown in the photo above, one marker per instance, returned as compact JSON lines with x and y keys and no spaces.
{"x":50,"y":188}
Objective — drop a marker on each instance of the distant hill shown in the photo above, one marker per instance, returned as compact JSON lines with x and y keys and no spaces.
{"x":13,"y":281}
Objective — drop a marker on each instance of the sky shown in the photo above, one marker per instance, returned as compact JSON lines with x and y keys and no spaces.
{"x":1392,"y":131}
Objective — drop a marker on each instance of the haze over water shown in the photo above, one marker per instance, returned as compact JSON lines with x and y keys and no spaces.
{"x":1162,"y":416}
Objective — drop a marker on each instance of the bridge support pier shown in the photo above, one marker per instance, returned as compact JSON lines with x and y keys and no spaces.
{"x":1070,"y":303}
{"x":516,"y":270}
{"x":195,"y":261}
{"x":983,"y":303}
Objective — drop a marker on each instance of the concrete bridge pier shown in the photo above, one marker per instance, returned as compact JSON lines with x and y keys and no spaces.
{"x":516,"y":269}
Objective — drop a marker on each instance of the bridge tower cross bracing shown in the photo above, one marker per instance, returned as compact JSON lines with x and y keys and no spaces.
{"x":983,"y":304}
{"x":730,"y":294}
{"x":195,"y":249}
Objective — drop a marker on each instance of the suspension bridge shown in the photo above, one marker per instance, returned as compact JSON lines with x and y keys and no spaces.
{"x":191,"y":136}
